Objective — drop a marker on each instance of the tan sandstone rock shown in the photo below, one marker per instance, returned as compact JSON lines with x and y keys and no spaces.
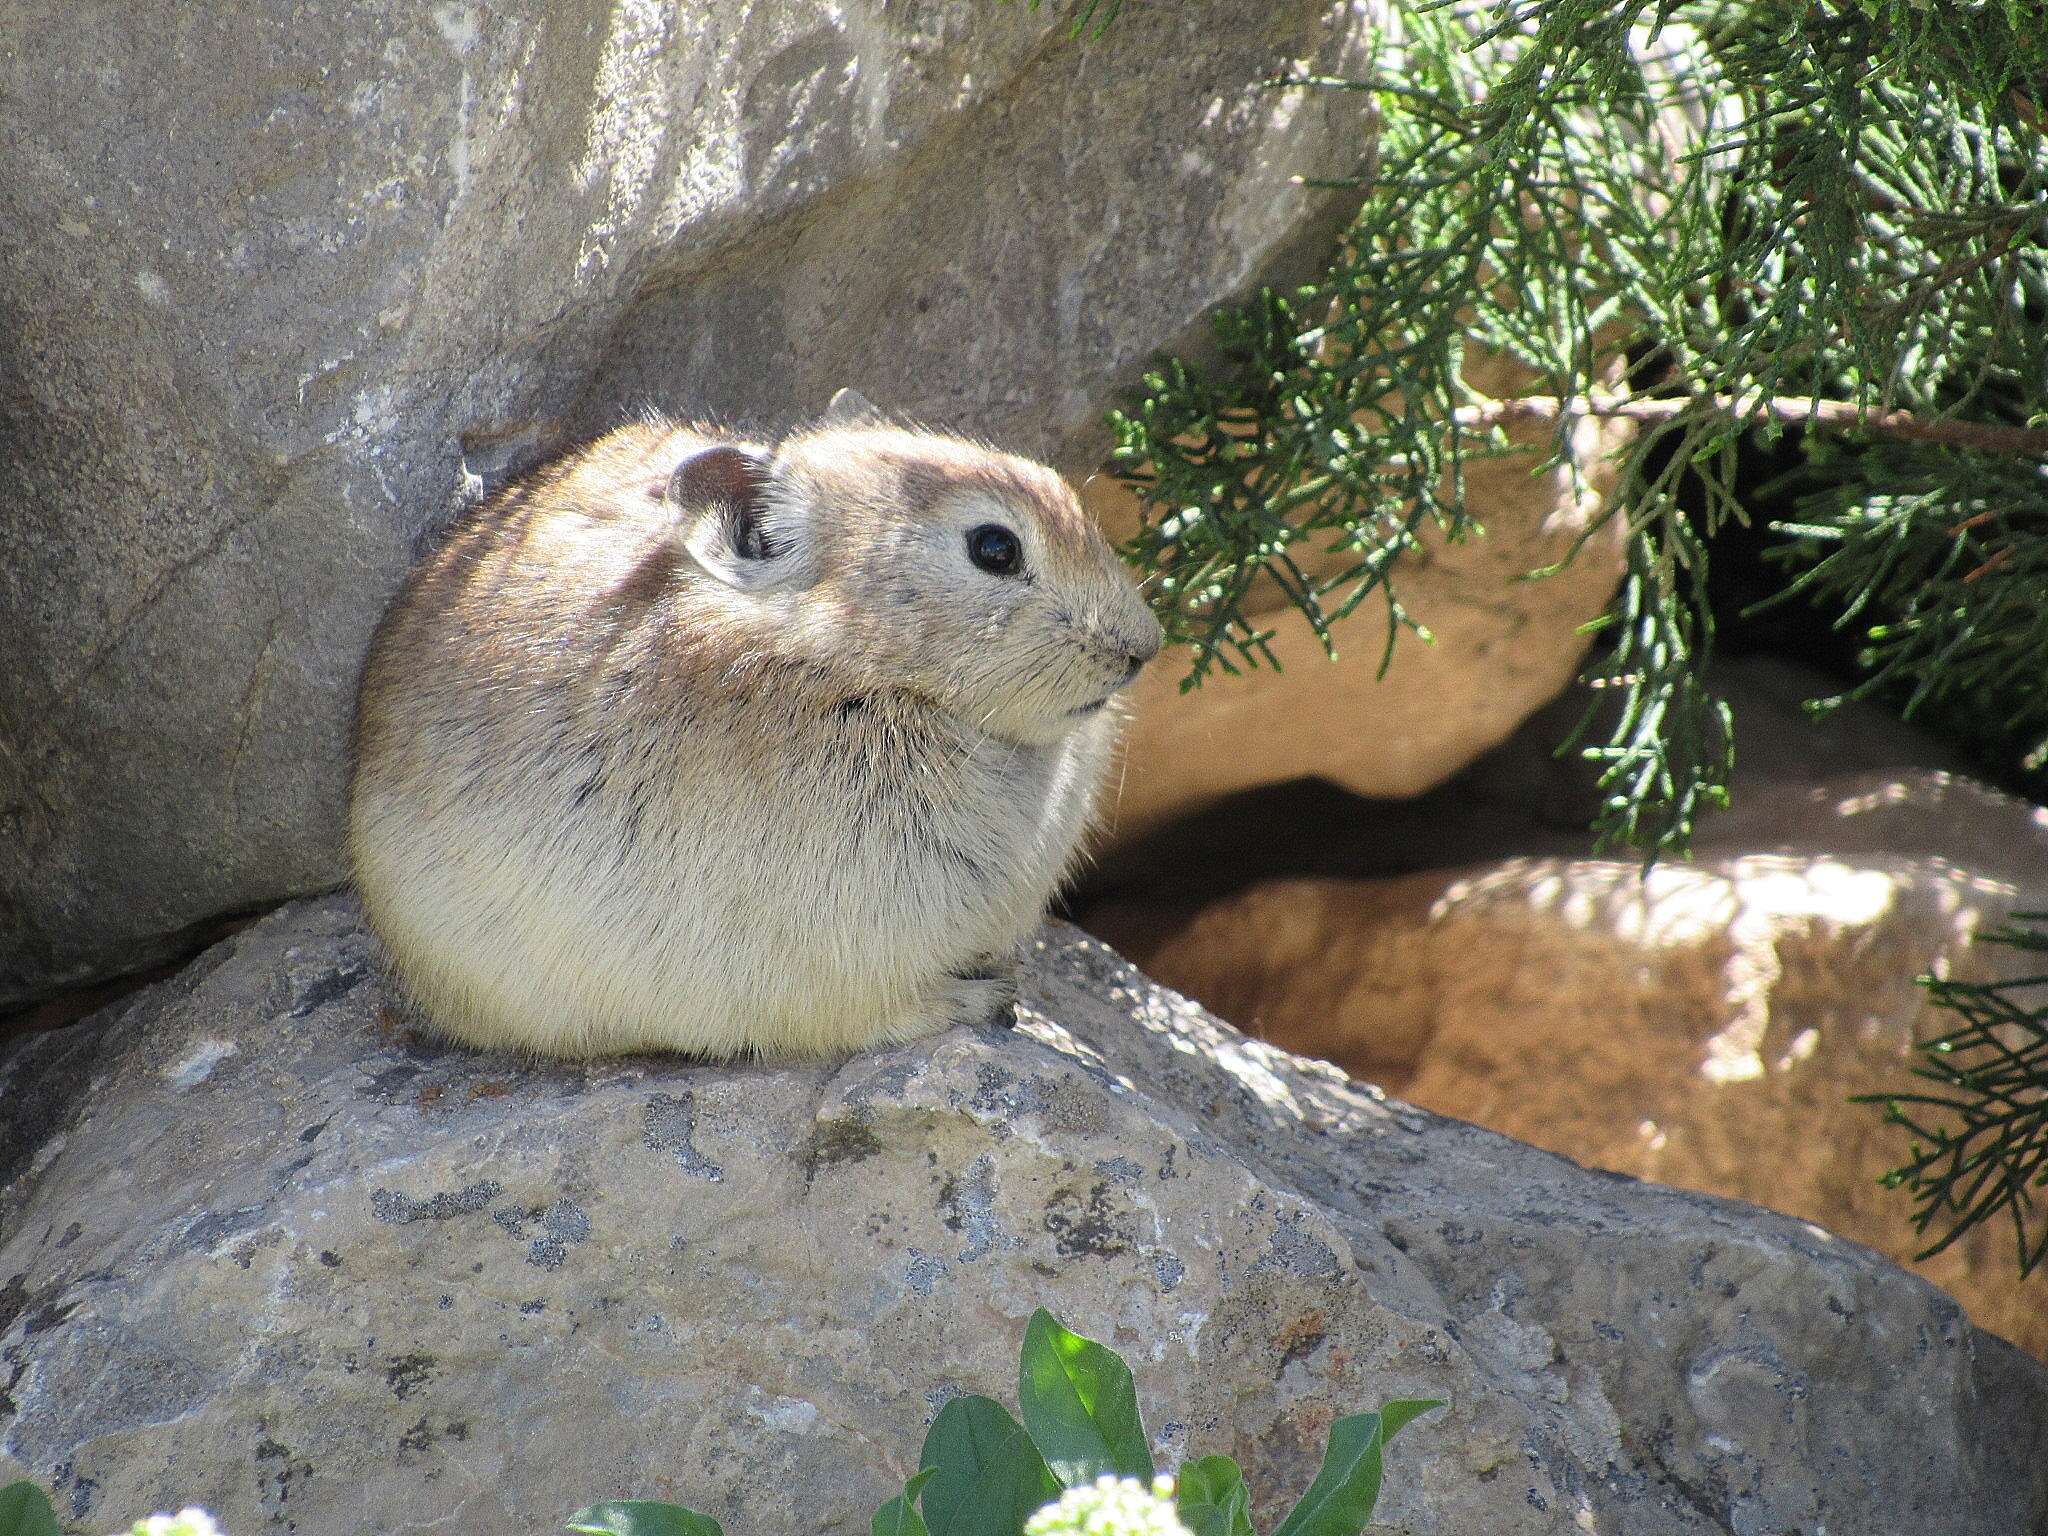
{"x":1702,"y":1025}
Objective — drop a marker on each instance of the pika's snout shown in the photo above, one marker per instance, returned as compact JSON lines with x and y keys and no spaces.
{"x":1135,"y":641}
{"x":1122,"y":637}
{"x":1150,"y":640}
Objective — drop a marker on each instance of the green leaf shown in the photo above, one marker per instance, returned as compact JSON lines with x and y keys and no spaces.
{"x":643,"y":1517}
{"x":1080,"y":1405}
{"x":25,"y":1511}
{"x":1341,"y":1499}
{"x":1210,"y":1498}
{"x":989,"y":1476}
{"x":899,"y":1517}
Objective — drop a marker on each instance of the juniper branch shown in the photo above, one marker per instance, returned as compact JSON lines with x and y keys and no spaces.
{"x":1783,"y":410}
{"x":1827,"y":218}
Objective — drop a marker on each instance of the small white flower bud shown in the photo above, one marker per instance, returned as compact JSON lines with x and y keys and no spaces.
{"x":186,"y":1522}
{"x":1110,"y":1506}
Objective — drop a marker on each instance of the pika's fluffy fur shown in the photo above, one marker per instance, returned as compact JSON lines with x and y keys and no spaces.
{"x":688,"y":743}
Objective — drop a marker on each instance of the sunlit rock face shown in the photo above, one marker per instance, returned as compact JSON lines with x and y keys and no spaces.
{"x":264,"y":1249}
{"x":1701,"y":1023}
{"x":280,"y":285}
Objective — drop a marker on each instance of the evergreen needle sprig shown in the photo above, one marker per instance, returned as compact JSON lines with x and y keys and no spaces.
{"x":1711,"y":218}
{"x":1979,"y":1146}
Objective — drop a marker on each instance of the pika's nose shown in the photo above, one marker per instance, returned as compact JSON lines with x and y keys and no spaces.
{"x":1146,"y":649}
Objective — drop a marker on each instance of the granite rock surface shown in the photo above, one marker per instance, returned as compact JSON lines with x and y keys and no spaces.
{"x":264,"y":1248}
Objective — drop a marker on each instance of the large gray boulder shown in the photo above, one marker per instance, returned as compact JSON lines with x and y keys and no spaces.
{"x":264,"y":1249}
{"x":280,"y":284}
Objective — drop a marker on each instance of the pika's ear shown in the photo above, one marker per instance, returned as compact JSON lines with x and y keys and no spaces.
{"x":730,"y":521}
{"x":849,"y":408}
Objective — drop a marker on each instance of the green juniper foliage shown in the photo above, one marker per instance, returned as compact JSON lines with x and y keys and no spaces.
{"x":1980,"y":1137}
{"x":1709,"y":218}
{"x":1091,"y":17}
{"x":983,"y":1474}
{"x":1941,"y":557}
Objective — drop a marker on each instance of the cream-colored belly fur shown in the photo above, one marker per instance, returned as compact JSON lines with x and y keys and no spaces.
{"x":691,"y":897}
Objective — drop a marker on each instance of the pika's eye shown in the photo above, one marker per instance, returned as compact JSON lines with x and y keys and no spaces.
{"x":995,"y":549}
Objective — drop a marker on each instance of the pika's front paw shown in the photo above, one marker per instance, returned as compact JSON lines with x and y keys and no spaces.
{"x":984,"y":994}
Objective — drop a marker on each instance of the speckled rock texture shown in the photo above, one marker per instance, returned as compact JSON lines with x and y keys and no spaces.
{"x":282,"y":283}
{"x":264,"y":1249}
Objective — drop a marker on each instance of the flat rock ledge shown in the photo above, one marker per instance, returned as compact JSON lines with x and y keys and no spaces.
{"x":266,"y":1249}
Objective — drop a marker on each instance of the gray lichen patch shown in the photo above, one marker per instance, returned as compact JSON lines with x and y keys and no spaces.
{"x":398,"y":1209}
{"x":561,"y":1225}
{"x":967,"y":1205}
{"x":1085,"y":1222}
{"x":1297,"y":1250}
{"x":670,"y":1123}
{"x":843,"y":1140}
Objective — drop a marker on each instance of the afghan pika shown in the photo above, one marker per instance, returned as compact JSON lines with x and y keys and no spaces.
{"x":689,"y":743}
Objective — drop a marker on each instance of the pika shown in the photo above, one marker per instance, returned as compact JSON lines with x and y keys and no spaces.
{"x":684,"y":742}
